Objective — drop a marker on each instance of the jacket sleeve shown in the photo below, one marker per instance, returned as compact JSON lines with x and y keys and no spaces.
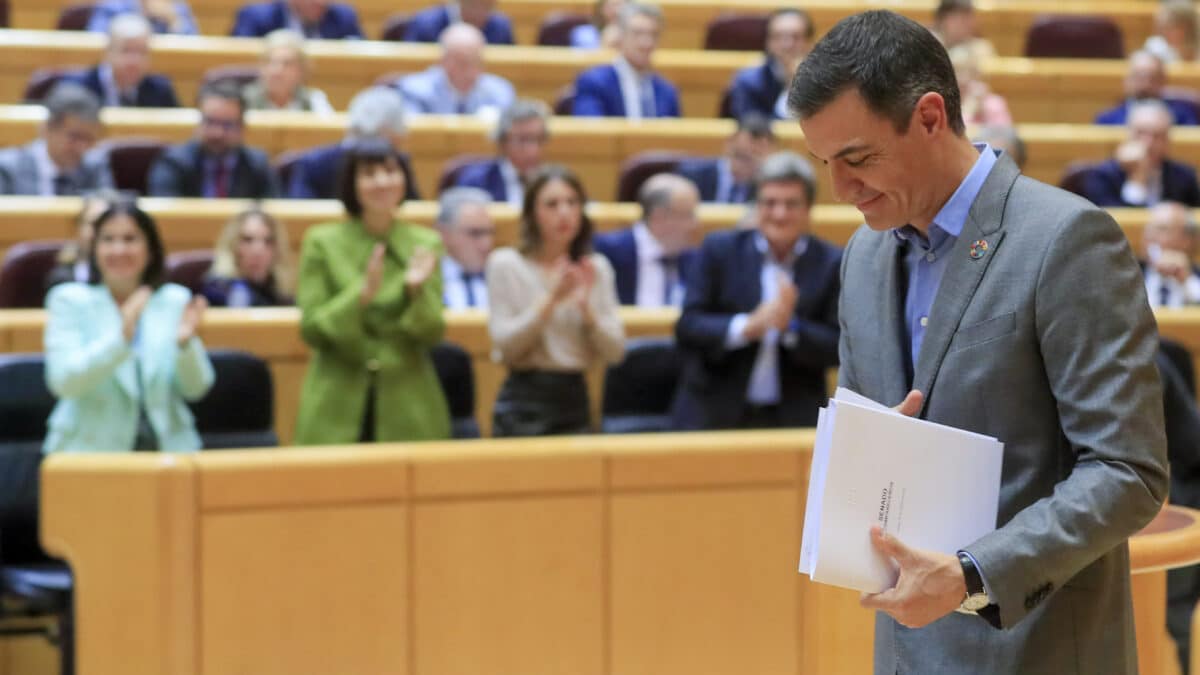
{"x":79,"y":356}
{"x":299,"y":186}
{"x":330,"y":318}
{"x":194,"y":374}
{"x":846,"y":376}
{"x":244,"y":25}
{"x":588,"y":100}
{"x":702,"y":326}
{"x":164,"y":179}
{"x":816,"y":337}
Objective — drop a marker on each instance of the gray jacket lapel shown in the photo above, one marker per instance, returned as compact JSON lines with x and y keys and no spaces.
{"x":892,"y":342}
{"x":963,"y":273}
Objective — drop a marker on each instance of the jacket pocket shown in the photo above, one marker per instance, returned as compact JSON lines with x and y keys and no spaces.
{"x":984,"y":331}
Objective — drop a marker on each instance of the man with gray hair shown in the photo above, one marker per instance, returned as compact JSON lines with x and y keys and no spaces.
{"x":469,"y":235}
{"x":629,"y":87}
{"x":521,"y":136}
{"x":123,"y":78}
{"x":457,"y":84}
{"x":760,"y":320}
{"x":377,"y":112}
{"x":59,"y":162}
{"x":1169,"y":242}
{"x":1140,"y":173}
{"x":653,"y":259}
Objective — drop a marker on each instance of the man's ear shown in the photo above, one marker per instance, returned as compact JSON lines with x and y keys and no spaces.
{"x":930,"y":113}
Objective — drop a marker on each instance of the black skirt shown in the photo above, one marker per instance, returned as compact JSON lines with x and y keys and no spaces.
{"x":541,"y":403}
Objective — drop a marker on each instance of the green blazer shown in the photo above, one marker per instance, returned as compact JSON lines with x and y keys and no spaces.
{"x":390,"y":338}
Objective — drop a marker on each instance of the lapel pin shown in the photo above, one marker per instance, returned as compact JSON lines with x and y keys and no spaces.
{"x":978,"y":248}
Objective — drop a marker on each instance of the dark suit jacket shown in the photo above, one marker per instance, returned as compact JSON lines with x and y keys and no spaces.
{"x":1183,"y":112}
{"x":1102,"y":185}
{"x":705,"y":173}
{"x":154,"y":91}
{"x":179,"y":172}
{"x":428,"y":24}
{"x":712,"y":388}
{"x":484,"y":175}
{"x":258,"y":19}
{"x":620,"y":248}
{"x":315,"y":175}
{"x":598,"y":94}
{"x":754,"y":90}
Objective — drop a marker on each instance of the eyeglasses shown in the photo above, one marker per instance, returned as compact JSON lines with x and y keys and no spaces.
{"x":223,"y":125}
{"x":539,"y":139}
{"x":479,"y":232}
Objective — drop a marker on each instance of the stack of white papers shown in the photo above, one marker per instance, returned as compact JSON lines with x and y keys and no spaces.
{"x":931,"y":486}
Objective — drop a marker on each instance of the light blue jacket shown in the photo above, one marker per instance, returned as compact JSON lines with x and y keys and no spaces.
{"x":91,"y":368}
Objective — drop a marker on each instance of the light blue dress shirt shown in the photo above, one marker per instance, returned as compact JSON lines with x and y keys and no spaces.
{"x":430,"y":92}
{"x":925,"y":258}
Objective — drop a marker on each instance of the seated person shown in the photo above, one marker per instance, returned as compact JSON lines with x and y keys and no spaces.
{"x":980,"y":105}
{"x":215,"y":164}
{"x":1146,"y":80}
{"x":521,"y":135}
{"x":122,"y":354}
{"x":123,"y":78}
{"x":59,"y":162}
{"x":760,"y":322}
{"x":653,"y":259}
{"x":553,"y":312}
{"x":468,"y":235}
{"x":602,"y":30}
{"x":730,"y":179}
{"x":629,"y":87}
{"x":377,"y":112}
{"x":1177,"y":32}
{"x":314,"y":19}
{"x":429,"y":24}
{"x":252,"y":264}
{"x":165,"y":16}
{"x":457,"y":85}
{"x":370,"y":298}
{"x":761,"y":89}
{"x":955,"y":25}
{"x":1141,"y":174}
{"x":282,"y":70}
{"x":1005,"y":139}
{"x":1169,"y":242}
{"x":73,"y":262}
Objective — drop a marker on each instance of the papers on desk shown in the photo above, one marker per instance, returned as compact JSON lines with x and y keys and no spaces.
{"x":931,"y":486}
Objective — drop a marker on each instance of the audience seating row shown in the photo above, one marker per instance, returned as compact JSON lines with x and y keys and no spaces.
{"x":1081,"y":87}
{"x":1005,"y":24}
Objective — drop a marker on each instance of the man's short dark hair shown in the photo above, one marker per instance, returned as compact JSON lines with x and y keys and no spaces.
{"x":809,"y":28}
{"x":947,"y":7}
{"x":363,"y":152}
{"x":892,"y":61}
{"x":756,"y":125}
{"x":71,"y":100}
{"x":224,"y":89}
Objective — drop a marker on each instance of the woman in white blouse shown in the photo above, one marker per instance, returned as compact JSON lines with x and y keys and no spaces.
{"x":282,"y":72}
{"x":553,"y":311}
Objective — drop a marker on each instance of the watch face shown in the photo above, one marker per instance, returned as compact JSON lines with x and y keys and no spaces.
{"x":975,"y":602}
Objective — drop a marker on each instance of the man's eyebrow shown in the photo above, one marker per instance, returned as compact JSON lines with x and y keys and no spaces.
{"x":850,"y":150}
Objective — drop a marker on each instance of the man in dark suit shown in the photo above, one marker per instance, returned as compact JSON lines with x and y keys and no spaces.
{"x":1141,"y":174}
{"x":629,"y":87}
{"x":59,"y":162}
{"x":758,"y":89}
{"x":654,"y":259}
{"x":123,"y":78}
{"x":215,"y":164}
{"x":1146,"y":79}
{"x":760,"y":320}
{"x":314,"y":19}
{"x":730,"y":179}
{"x":427,"y":25}
{"x":377,"y":112}
{"x":521,"y":134}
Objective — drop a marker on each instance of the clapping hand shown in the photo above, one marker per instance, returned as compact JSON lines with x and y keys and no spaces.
{"x":131,"y":310}
{"x":374,"y":275}
{"x":587,"y":280}
{"x":420,"y":267}
{"x":190,"y":321}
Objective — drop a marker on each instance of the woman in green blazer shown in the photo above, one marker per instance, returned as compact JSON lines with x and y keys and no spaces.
{"x":370,"y":296}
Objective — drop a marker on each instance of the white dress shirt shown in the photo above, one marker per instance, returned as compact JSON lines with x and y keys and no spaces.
{"x":514,"y":189}
{"x":112,"y":95}
{"x":633,"y":85}
{"x":652,"y":276}
{"x":46,"y":168}
{"x":1169,"y":292}
{"x":1143,"y":195}
{"x":454,"y":286}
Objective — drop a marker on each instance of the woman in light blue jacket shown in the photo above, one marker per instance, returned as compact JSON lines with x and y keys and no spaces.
{"x":122,"y":354}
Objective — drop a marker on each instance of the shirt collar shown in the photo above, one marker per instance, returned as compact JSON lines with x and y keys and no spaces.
{"x":950,"y":220}
{"x":798,"y":249}
{"x":450,"y":268}
{"x":648,"y":247}
{"x":624,"y":69}
{"x":509,"y":172}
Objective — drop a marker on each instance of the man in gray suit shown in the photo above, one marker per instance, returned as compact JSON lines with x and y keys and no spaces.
{"x":981,"y":299}
{"x":59,"y":162}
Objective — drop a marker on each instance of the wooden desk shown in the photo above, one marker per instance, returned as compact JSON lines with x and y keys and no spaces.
{"x":660,"y":554}
{"x":1037,"y":90}
{"x":1005,"y":24}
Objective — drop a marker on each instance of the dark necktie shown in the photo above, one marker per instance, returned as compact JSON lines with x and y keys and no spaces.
{"x":670,"y":277}
{"x":220,"y":178}
{"x":460,"y":108}
{"x":64,"y":186}
{"x":1164,"y":293}
{"x":467,"y":285}
{"x":737,"y":193}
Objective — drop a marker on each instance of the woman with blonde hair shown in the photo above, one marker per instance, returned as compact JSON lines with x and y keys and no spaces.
{"x":252,"y":264}
{"x":980,"y":105}
{"x":283,"y":69}
{"x":1177,"y":32}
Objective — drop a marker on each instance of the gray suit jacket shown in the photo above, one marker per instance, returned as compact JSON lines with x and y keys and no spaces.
{"x":1047,"y":343}
{"x":19,"y":172}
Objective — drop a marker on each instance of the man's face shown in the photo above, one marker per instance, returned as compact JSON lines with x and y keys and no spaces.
{"x":309,"y":11}
{"x":880,"y":171}
{"x":1151,"y":128}
{"x":782,"y":213}
{"x":786,"y":39}
{"x":130,"y":61}
{"x":676,"y":225}
{"x":1167,"y":229}
{"x":69,"y":140}
{"x":745,"y":154}
{"x":463,"y":64}
{"x":524,"y":145}
{"x":471,"y":239}
{"x":1145,"y":78}
{"x":638,"y":41}
{"x":220,"y":125}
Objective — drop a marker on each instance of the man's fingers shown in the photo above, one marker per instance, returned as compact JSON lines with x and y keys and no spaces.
{"x":911,"y":405}
{"x":889,"y":545}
